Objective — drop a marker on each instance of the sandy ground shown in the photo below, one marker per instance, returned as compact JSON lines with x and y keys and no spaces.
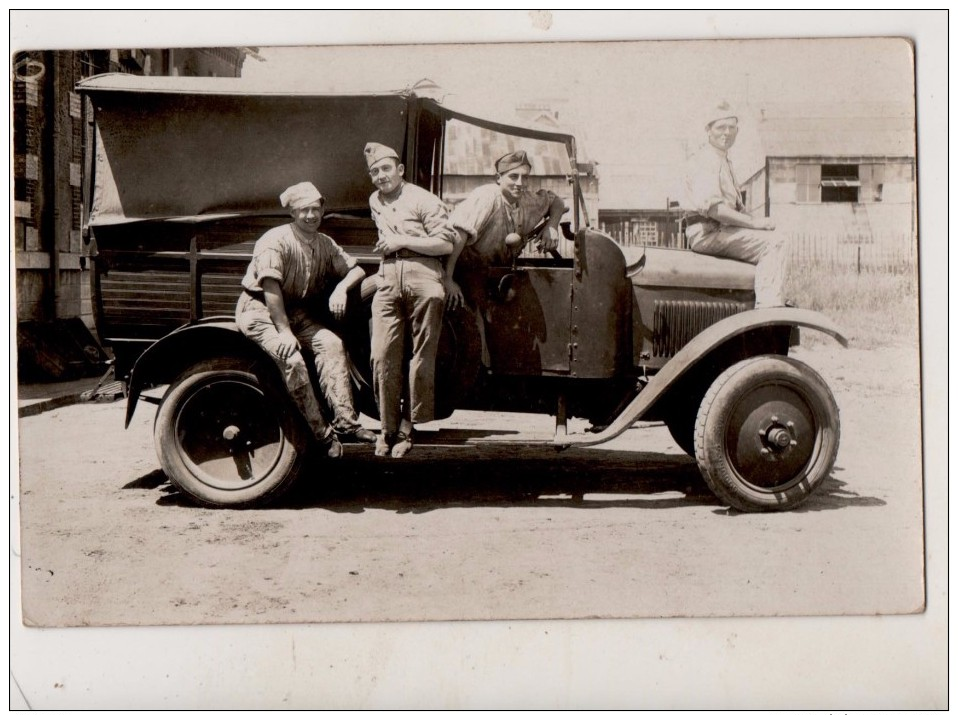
{"x":477,"y":531}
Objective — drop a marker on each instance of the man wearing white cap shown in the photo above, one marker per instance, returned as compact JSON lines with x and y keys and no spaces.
{"x":720,"y":226}
{"x":414,"y":232}
{"x":292,"y":264}
{"x":493,"y":220}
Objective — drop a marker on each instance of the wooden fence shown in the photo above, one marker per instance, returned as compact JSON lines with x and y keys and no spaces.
{"x":885,"y":253}
{"x":888,"y":253}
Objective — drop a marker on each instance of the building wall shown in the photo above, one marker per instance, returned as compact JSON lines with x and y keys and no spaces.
{"x":882,"y":188}
{"x":50,"y":135}
{"x":52,"y":154}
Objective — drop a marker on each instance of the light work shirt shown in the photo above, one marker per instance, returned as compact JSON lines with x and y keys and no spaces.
{"x":302,"y":264}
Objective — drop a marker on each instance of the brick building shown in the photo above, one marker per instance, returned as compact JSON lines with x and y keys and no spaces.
{"x":52,"y":150}
{"x":53,"y":139}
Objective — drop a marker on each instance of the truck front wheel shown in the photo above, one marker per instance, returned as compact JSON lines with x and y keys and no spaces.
{"x":225,"y":437}
{"x":767,"y":434}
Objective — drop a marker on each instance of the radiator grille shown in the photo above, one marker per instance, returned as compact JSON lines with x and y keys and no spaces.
{"x":676,"y":322}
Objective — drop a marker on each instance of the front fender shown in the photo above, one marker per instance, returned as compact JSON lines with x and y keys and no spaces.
{"x":697,"y":349}
{"x":168,"y":357}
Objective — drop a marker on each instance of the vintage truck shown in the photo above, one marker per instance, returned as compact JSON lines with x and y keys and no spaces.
{"x":186,"y":177}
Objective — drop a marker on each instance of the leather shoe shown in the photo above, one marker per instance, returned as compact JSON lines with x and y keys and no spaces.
{"x":403,"y":445}
{"x":331,"y":447}
{"x":360,"y":435}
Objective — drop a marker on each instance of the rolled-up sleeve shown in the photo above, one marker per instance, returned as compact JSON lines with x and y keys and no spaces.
{"x":269,"y":261}
{"x":435,"y":219}
{"x":340,"y":262}
{"x":473,"y":213}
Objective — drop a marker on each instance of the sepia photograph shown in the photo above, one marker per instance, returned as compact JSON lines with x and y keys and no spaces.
{"x":517,"y":333}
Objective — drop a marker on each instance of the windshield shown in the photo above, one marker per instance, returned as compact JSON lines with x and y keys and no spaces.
{"x":470,"y":152}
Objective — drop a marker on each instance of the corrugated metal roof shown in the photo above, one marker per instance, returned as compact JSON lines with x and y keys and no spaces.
{"x":835,"y":129}
{"x":473,"y":151}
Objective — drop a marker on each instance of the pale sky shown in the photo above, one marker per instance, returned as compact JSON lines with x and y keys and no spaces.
{"x":635,"y":107}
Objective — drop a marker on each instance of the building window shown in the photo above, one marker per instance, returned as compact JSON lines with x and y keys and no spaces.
{"x":808,"y":183}
{"x":840,"y":183}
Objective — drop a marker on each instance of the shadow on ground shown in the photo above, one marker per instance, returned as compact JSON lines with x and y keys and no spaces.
{"x":504,"y":475}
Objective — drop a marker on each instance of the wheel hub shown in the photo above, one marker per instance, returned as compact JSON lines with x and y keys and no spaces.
{"x":777,"y":437}
{"x":228,"y":435}
{"x":771,"y":436}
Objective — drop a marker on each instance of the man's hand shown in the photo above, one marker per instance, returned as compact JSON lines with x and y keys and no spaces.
{"x":763,"y":223}
{"x":337,"y":303}
{"x":454,"y":297}
{"x":389,"y":245}
{"x":548,"y":240}
{"x":287,"y":345}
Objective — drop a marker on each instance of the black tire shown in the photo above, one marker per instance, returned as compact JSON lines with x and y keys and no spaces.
{"x":226,"y":437}
{"x":767,"y":434}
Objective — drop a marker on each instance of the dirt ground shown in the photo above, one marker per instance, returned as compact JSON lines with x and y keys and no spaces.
{"x":484,"y":530}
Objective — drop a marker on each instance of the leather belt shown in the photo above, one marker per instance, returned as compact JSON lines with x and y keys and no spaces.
{"x":406,"y":253}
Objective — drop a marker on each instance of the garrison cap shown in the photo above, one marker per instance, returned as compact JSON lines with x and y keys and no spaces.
{"x":511,"y":161}
{"x":377,"y":152}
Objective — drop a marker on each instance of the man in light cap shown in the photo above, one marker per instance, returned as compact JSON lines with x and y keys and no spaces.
{"x":414,"y":232}
{"x":493,"y":221}
{"x":720,"y":226}
{"x":295,"y":266}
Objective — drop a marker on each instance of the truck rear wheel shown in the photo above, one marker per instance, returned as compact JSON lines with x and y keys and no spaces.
{"x":225,"y":437}
{"x":767,"y":434}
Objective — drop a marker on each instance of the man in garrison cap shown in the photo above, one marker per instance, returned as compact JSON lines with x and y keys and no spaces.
{"x":720,"y":225}
{"x":494,"y":220}
{"x":414,"y":233}
{"x":293,"y":264}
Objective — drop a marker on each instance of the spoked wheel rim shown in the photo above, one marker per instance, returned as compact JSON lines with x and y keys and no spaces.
{"x":229,"y":435}
{"x":773,"y":435}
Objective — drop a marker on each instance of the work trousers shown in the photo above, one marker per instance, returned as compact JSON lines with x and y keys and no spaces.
{"x":766,"y":250}
{"x":332,"y":364}
{"x":408,"y":305}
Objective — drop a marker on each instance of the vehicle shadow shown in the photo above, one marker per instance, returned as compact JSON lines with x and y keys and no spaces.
{"x":501,"y":475}
{"x":832,"y":494}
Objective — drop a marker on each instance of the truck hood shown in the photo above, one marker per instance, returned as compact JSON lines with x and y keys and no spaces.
{"x":649,"y":266}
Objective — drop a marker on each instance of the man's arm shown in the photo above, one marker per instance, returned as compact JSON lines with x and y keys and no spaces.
{"x":273,"y":294}
{"x":427,"y":246}
{"x":454,"y":296}
{"x":550,"y":237}
{"x":725,"y":214}
{"x":337,"y":300}
{"x":440,"y":235}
